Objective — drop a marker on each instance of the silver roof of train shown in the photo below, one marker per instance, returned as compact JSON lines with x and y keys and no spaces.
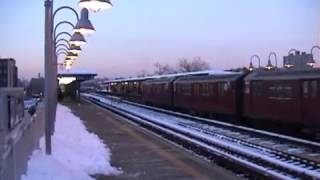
{"x":283,"y":74}
{"x":208,"y":72}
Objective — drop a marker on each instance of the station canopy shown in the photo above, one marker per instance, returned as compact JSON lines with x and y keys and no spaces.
{"x":75,"y":74}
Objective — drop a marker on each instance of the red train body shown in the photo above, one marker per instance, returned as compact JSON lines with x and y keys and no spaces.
{"x":213,"y":94}
{"x":158,"y":92}
{"x":287,"y":97}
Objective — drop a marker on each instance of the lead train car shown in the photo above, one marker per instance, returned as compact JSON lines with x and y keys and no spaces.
{"x":284,"y":97}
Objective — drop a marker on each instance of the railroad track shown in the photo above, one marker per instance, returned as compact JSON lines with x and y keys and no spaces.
{"x":268,"y":158}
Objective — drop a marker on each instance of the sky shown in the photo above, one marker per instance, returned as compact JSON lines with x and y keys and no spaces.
{"x":135,"y":34}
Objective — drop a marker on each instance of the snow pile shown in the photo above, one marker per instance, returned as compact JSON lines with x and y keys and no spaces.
{"x":76,"y":153}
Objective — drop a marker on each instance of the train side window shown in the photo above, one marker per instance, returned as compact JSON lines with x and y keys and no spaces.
{"x":221,"y":89}
{"x":257,"y":89}
{"x":211,"y":89}
{"x":288,"y":91}
{"x":166,"y":87}
{"x":247,"y":87}
{"x":205,"y":90}
{"x":186,"y":89}
{"x":305,"y":89}
{"x":313,"y":89}
{"x":272,"y":91}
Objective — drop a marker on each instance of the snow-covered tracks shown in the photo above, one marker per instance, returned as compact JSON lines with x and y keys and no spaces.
{"x":262,"y":155}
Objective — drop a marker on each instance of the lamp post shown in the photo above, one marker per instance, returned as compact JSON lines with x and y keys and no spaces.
{"x":50,"y":55}
{"x":251,"y":67}
{"x":311,"y":61}
{"x":269,"y":65}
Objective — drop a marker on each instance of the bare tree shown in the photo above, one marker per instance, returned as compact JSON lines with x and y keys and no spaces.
{"x":161,"y":69}
{"x":197,"y":64}
{"x":142,"y":73}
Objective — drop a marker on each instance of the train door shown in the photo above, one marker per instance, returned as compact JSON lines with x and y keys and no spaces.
{"x":196,"y":96}
{"x":310,"y":101}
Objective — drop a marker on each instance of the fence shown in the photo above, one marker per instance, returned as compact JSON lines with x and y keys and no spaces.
{"x":19,"y":133}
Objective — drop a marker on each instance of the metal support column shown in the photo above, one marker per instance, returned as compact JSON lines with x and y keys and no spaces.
{"x":48,"y":73}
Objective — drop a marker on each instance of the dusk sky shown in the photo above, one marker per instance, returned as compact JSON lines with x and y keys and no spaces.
{"x":135,"y":34}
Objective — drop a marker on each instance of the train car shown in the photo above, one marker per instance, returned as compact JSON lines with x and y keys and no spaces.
{"x":133,"y":89}
{"x":217,"y":94}
{"x":114,"y":87}
{"x":158,"y":91}
{"x":291,"y":98}
{"x":130,"y":88}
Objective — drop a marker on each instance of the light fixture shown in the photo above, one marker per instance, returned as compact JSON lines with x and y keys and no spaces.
{"x":269,"y":65}
{"x":72,"y":56}
{"x":311,"y":63}
{"x":251,"y":68}
{"x":84,"y":25}
{"x":71,"y":62}
{"x":77,"y":39}
{"x":287,"y":64}
{"x":286,"y":60}
{"x":74,"y":49}
{"x":95,"y":5}
{"x":68,"y":59}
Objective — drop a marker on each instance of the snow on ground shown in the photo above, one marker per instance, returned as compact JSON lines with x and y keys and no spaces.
{"x":76,"y":153}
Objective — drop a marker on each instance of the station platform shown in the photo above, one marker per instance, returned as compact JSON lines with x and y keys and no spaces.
{"x":141,"y":154}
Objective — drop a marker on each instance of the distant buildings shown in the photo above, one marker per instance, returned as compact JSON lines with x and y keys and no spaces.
{"x":297,"y":60}
{"x":36,"y":87}
{"x":8,"y":73}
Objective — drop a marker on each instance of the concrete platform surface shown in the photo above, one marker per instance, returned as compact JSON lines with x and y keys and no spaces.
{"x":140,"y":154}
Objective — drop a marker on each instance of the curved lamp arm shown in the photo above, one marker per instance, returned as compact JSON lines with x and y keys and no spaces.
{"x":60,"y":23}
{"x":313,"y":48}
{"x":62,"y":33}
{"x":257,"y":57}
{"x":62,"y":45}
{"x":63,"y":41}
{"x":292,"y":50}
{"x":275,"y":58}
{"x":68,"y":8}
{"x":61,"y":53}
{"x":62,"y":49}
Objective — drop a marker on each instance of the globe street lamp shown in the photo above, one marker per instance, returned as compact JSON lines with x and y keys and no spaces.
{"x":269,"y":65}
{"x":251,"y":67}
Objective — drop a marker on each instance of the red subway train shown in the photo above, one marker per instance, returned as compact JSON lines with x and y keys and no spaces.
{"x":289,"y":99}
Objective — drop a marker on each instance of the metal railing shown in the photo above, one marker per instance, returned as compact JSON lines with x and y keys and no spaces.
{"x":19,"y":133}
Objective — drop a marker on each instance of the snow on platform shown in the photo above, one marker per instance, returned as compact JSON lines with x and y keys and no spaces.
{"x":76,"y":153}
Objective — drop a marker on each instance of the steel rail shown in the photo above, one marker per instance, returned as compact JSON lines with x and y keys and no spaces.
{"x":278,"y":167}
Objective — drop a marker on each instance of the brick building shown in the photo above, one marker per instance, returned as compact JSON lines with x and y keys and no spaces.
{"x":8,"y":73}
